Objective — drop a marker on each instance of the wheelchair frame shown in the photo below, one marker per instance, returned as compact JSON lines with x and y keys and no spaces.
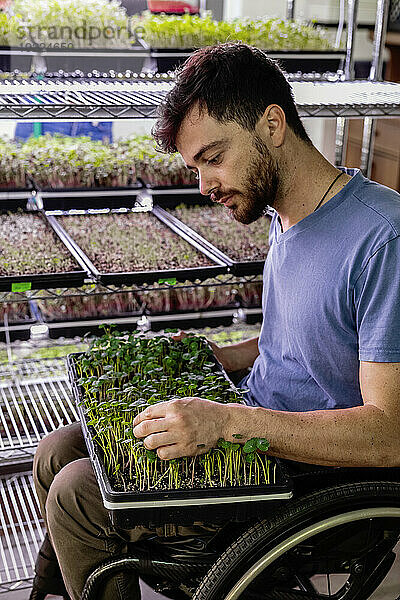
{"x":341,"y":523}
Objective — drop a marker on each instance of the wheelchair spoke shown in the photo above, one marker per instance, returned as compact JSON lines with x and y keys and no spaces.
{"x":348,"y":564}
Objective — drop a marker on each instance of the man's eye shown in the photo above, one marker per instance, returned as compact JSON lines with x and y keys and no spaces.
{"x":215,"y":160}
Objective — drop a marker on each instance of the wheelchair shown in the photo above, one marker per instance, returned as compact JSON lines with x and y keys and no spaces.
{"x":336,"y":538}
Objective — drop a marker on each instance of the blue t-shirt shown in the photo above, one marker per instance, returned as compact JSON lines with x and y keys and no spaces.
{"x":331,"y":299}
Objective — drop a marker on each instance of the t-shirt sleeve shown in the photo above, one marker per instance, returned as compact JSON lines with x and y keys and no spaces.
{"x":377,"y":302}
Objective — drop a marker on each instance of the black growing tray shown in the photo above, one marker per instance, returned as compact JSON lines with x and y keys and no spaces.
{"x":37,"y":281}
{"x":160,"y":276}
{"x":87,"y":198}
{"x":236,"y":267}
{"x":170,"y":195}
{"x":151,"y":508}
{"x":19,"y":283}
{"x":12,"y":199}
{"x":291,"y":61}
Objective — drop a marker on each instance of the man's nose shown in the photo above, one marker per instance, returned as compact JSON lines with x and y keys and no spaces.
{"x":206,"y":185}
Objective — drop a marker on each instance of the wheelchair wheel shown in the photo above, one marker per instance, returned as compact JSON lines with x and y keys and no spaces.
{"x":335,"y":543}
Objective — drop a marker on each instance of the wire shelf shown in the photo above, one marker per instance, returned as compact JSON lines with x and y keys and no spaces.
{"x":21,"y":532}
{"x":140,"y":99}
{"x":33,"y":402}
{"x":93,"y":289}
{"x":31,"y":369}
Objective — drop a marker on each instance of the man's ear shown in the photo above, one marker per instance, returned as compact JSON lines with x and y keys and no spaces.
{"x":272,"y":125}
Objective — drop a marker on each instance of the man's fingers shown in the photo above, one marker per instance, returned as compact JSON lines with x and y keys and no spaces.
{"x":170,"y":452}
{"x":148,"y":427}
{"x":155,"y":411}
{"x":156,"y":440}
{"x":177,"y":337}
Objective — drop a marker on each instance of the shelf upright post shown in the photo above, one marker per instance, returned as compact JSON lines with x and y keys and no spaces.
{"x":202,"y":7}
{"x":375,"y":74}
{"x":341,"y":123}
{"x":290,"y":10}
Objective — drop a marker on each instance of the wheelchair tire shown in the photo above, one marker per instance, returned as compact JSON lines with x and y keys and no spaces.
{"x":333,"y":543}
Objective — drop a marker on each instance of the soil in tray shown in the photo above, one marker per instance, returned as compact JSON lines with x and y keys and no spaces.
{"x":195,"y":480}
{"x":131,"y":242}
{"x":240,"y":242}
{"x":28,"y":246}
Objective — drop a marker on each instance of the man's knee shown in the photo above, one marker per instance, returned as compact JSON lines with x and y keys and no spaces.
{"x":56,"y":450}
{"x":70,"y":483}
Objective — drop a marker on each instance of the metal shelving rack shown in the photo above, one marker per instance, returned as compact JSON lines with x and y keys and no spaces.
{"x":35,"y":396}
{"x":91,"y":288}
{"x":33,"y":402}
{"x":130,"y":100}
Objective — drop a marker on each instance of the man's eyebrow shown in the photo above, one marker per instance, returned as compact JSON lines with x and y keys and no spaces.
{"x":205,"y":148}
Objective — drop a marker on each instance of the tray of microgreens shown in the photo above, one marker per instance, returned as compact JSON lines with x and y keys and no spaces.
{"x":173,"y":300}
{"x":157,"y":169}
{"x":32,"y":256}
{"x":137,"y":248}
{"x":151,"y":302}
{"x":118,"y":377}
{"x":192,"y":31}
{"x":77,"y":172}
{"x":12,"y":171}
{"x":58,"y":24}
{"x":245,"y":247}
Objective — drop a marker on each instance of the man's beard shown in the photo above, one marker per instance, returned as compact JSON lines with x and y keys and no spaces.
{"x":261,"y":186}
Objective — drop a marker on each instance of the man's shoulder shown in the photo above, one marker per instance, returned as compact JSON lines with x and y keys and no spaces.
{"x":380,"y":205}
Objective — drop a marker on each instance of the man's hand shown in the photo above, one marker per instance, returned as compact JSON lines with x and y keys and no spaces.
{"x":183,"y":427}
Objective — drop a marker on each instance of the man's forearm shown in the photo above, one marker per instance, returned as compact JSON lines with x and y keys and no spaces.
{"x":239,"y":356}
{"x":356,"y":437}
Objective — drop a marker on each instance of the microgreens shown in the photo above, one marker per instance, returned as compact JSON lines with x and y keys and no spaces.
{"x":192,"y":31}
{"x":173,"y":299}
{"x":240,"y":242}
{"x":121,"y":374}
{"x":135,"y":242}
{"x":29,"y":246}
{"x":58,"y":162}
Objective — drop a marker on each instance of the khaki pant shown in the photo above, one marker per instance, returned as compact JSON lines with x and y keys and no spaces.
{"x":78,"y":524}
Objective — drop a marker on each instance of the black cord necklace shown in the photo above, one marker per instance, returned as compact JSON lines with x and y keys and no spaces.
{"x":328,"y":190}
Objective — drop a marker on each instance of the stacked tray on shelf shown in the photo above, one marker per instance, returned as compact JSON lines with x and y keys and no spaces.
{"x":33,"y":256}
{"x":15,"y":187}
{"x":244,"y":247}
{"x":79,"y":173}
{"x":174,"y":300}
{"x":137,"y":248}
{"x":123,"y":248}
{"x":70,"y":173}
{"x":168,"y":195}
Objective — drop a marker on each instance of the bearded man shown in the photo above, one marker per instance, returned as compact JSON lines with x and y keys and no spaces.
{"x":324,"y":385}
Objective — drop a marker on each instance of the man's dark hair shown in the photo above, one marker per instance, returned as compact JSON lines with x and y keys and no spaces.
{"x":232,"y":82}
